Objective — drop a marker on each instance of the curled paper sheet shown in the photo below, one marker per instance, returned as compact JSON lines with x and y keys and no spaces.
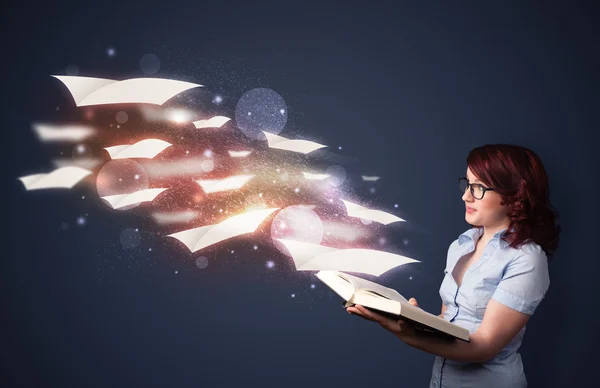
{"x":355,"y":210}
{"x":121,"y":200}
{"x":147,"y":148}
{"x":314,"y":177}
{"x":301,"y":146}
{"x":370,"y":178}
{"x":64,"y":178}
{"x":213,"y":122}
{"x":65,"y":133}
{"x":230,"y":183}
{"x":198,"y":238}
{"x":239,"y":154}
{"x":315,"y":257}
{"x":101,"y":91}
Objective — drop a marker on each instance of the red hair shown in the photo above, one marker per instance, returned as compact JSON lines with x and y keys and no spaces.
{"x":518,"y":175}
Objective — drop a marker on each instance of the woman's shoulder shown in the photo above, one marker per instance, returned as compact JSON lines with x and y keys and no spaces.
{"x":530,"y":253}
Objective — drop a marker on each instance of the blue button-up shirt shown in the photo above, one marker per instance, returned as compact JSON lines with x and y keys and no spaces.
{"x":517,"y":278}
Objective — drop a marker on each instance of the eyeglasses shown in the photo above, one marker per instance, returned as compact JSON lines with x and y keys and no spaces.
{"x":477,"y":190}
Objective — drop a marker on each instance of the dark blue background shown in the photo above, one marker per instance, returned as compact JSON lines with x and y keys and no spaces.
{"x":408,"y":89}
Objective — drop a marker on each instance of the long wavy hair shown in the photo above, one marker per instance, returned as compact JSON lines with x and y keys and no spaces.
{"x":518,"y":175}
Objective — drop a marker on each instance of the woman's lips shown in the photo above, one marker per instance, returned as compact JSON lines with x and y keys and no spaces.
{"x":470,"y":210}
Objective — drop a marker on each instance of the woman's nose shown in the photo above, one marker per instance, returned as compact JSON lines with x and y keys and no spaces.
{"x":467,"y":195}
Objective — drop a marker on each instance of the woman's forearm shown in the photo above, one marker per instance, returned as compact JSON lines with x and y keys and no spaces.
{"x":474,"y":351}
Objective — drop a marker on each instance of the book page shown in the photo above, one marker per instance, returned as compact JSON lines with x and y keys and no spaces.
{"x":364,"y":285}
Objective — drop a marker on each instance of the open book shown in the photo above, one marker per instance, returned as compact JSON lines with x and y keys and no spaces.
{"x":386,"y":301}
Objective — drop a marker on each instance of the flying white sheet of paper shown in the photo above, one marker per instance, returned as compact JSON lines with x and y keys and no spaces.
{"x":147,"y":148}
{"x":61,"y":178}
{"x":213,"y":122}
{"x":239,"y":154}
{"x":87,"y":163}
{"x":174,"y":217}
{"x":72,"y":133}
{"x":370,"y":178}
{"x":355,"y":210}
{"x":315,"y":257}
{"x":122,"y":200}
{"x":315,"y":177}
{"x":204,"y":236}
{"x":230,"y":183}
{"x":100,"y":91}
{"x":302,"y":146}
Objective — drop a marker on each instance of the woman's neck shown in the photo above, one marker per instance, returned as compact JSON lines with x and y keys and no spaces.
{"x":490,"y":231}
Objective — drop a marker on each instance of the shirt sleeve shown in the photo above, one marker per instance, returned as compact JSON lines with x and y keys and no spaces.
{"x":525,"y":282}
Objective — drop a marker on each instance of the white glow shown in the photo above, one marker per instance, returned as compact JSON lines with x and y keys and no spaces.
{"x":311,"y":176}
{"x":369,"y":178}
{"x":164,"y":218}
{"x":66,"y":133}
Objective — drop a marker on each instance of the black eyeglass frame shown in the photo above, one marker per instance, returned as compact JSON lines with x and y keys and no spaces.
{"x":470,"y":187}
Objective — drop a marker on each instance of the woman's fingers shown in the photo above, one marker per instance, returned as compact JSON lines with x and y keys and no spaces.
{"x":413,"y":301}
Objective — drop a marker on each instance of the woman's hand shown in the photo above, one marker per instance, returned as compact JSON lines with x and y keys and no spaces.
{"x":400,"y":328}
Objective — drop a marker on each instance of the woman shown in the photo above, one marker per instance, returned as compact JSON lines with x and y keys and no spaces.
{"x":496,"y":272}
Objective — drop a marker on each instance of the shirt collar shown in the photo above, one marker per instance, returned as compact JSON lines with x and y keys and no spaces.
{"x":473,"y":234}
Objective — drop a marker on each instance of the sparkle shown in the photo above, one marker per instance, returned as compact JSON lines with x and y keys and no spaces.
{"x":118,"y":126}
{"x":176,"y":272}
{"x":187,"y":152}
{"x":218,"y":99}
{"x":80,"y":220}
{"x":296,"y":190}
{"x":270,"y":264}
{"x":372,"y":190}
{"x":410,"y":278}
{"x":312,"y":286}
{"x":137,"y":230}
{"x":149,"y":249}
{"x":340,"y":147}
{"x":260,"y":195}
{"x":395,"y":205}
{"x":80,"y":148}
{"x":282,"y":111}
{"x":111,"y":52}
{"x":232,"y":251}
{"x":293,"y":295}
{"x":255,"y":247}
{"x":83,"y":197}
{"x":220,"y":210}
{"x":381,"y":240}
{"x":137,"y":176}
{"x":208,"y":153}
{"x":249,"y":113}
